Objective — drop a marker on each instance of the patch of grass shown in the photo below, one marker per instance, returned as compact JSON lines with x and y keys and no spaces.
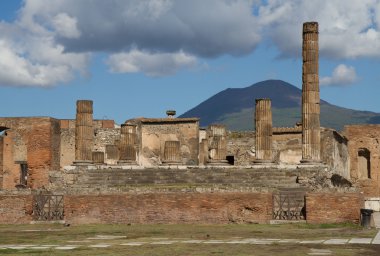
{"x":58,"y":234}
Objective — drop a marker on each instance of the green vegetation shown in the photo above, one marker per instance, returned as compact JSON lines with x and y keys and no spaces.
{"x":85,"y":235}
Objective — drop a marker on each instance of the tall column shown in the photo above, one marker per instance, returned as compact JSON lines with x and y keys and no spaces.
{"x":203,"y":152}
{"x":84,"y":132}
{"x":171,"y":152}
{"x":263,"y":134}
{"x":217,"y":147}
{"x":127,"y":143}
{"x":310,"y":95}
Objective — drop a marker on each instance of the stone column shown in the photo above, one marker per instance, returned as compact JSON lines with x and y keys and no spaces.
{"x":310,"y":95}
{"x":171,"y":152}
{"x":263,"y":134}
{"x":127,"y":144}
{"x":98,"y":157}
{"x":217,"y":144}
{"x":84,"y":132}
{"x":203,"y":152}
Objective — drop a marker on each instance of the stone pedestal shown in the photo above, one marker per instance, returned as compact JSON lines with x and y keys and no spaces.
{"x":263,"y":134}
{"x":171,"y":152}
{"x":84,"y":132}
{"x":98,"y":157}
{"x":217,"y":144}
{"x":310,"y":95}
{"x":127,"y":144}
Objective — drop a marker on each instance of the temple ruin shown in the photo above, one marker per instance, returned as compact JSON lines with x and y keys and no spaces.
{"x":170,"y":170}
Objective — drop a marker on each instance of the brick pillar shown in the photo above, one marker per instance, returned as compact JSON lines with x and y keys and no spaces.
{"x":310,"y":95}
{"x":263,"y":134}
{"x":127,"y":144}
{"x":217,"y":144}
{"x":171,"y":152}
{"x":1,"y":161}
{"x":84,"y":132}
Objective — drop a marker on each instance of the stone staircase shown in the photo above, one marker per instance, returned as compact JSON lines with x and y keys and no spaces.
{"x":258,"y":179}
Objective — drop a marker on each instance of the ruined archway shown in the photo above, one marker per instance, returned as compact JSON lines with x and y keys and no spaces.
{"x":364,"y":163}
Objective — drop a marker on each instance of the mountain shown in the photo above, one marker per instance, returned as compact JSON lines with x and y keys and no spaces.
{"x":234,"y":107}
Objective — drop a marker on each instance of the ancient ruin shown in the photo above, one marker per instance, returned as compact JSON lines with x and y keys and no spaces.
{"x":170,"y":170}
{"x":310,"y":94}
{"x":263,"y":124}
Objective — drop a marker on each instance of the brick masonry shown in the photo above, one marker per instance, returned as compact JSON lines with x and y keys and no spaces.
{"x":169,"y":208}
{"x":35,"y":141}
{"x":364,"y":137}
{"x":333,"y":207}
{"x":183,"y":207}
{"x":16,"y":209}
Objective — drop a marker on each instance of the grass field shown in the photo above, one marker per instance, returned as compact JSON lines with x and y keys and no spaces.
{"x":181,"y":239}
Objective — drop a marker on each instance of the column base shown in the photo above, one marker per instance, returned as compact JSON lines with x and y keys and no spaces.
{"x":171,"y":163}
{"x":310,"y":161}
{"x":217,"y":162}
{"x":127,"y":162}
{"x":83,"y":162}
{"x":263,"y":162}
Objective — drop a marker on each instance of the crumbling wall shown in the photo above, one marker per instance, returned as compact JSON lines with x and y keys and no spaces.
{"x":287,"y":147}
{"x":1,"y":160}
{"x":218,"y":208}
{"x":16,"y":209}
{"x":105,"y":134}
{"x":11,"y":170}
{"x":33,"y":141}
{"x":365,"y":137}
{"x":334,"y":152}
{"x":154,"y":134}
{"x":241,"y":145}
{"x":333,"y":207}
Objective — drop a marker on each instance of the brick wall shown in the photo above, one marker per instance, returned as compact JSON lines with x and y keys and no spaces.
{"x":365,"y":137}
{"x":169,"y":208}
{"x":333,"y":207}
{"x":34,"y":140}
{"x":15,"y":209}
{"x":1,"y":161}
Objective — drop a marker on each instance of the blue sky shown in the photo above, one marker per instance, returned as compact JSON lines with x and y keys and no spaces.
{"x":142,"y":57}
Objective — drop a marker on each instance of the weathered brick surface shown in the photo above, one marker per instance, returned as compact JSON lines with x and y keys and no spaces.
{"x":34,"y":140}
{"x":16,"y":209}
{"x":1,"y":161}
{"x":333,"y":207}
{"x":365,"y":137}
{"x":169,"y":208}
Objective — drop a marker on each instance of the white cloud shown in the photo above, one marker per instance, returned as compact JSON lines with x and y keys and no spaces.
{"x":348,"y":29}
{"x":156,"y":64}
{"x":19,"y":71}
{"x":342,"y":76}
{"x":52,"y":40}
{"x":66,"y":26}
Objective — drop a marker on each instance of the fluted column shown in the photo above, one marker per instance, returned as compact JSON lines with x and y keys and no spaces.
{"x":98,"y":157}
{"x":263,"y":134}
{"x":203,"y":152}
{"x":217,"y":144}
{"x":84,"y":132}
{"x":310,"y":95}
{"x":127,"y":143}
{"x":171,"y":152}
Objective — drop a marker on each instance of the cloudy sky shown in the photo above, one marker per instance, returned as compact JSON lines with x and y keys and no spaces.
{"x":142,"y":57}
